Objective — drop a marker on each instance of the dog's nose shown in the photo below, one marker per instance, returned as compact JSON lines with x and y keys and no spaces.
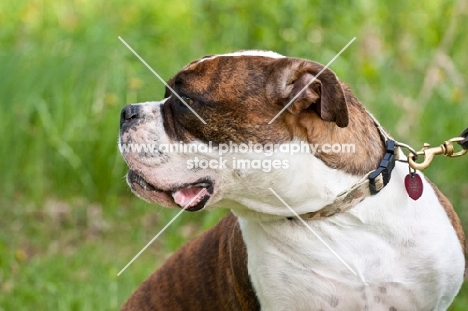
{"x":129,"y":114}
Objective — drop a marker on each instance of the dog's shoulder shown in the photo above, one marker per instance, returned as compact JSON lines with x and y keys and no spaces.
{"x":190,"y":277}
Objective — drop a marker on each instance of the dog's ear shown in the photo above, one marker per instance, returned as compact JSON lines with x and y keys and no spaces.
{"x":308,"y":85}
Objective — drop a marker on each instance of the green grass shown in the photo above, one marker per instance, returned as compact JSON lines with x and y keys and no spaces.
{"x":68,"y":223}
{"x":66,"y":255}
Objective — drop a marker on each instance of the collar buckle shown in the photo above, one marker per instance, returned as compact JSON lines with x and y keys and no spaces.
{"x":379,"y":178}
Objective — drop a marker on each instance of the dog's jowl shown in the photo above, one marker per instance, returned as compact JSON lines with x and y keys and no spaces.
{"x":290,"y":150}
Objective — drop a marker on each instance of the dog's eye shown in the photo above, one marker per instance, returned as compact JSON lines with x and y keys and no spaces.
{"x":187,"y":100}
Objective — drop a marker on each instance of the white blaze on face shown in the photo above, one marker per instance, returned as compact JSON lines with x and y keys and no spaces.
{"x":269,"y":54}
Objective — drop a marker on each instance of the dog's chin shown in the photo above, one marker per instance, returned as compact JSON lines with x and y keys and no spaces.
{"x":189,"y":196}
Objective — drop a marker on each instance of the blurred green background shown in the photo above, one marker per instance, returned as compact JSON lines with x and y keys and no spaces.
{"x":68,"y":223}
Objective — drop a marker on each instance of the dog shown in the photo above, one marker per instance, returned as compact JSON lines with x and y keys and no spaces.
{"x":306,"y":231}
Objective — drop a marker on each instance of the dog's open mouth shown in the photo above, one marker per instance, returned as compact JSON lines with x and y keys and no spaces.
{"x":192,"y":196}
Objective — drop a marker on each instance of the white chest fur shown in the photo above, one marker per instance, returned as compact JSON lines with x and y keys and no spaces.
{"x":402,"y":255}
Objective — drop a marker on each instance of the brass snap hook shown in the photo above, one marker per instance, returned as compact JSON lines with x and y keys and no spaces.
{"x":447,"y":149}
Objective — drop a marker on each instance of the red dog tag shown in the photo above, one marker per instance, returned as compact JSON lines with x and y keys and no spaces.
{"x":414,"y":186}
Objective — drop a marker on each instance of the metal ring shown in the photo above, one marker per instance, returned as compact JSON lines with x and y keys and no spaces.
{"x":410,"y":149}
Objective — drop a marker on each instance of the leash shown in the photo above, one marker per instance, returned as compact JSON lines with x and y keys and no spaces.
{"x":373,"y":182}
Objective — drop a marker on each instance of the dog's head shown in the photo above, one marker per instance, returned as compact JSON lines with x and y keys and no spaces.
{"x":237,"y":96}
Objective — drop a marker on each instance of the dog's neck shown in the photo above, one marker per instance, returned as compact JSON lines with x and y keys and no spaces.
{"x":306,"y":193}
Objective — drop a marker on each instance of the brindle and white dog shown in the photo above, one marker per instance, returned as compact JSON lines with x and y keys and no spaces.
{"x":385,"y":251}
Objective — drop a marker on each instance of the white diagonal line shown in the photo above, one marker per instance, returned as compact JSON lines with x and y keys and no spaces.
{"x":162,"y":230}
{"x":311,"y":81}
{"x":161,"y":79}
{"x":315,"y":233}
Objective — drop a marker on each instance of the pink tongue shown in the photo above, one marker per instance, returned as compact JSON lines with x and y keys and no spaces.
{"x":189,"y":197}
